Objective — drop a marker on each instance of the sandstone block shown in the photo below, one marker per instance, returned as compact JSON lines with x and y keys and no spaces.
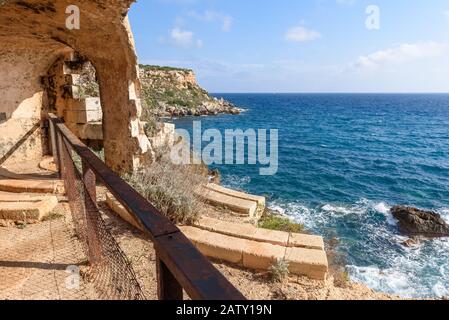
{"x":306,"y":241}
{"x":216,"y":245}
{"x":307,"y":262}
{"x":261,"y":256}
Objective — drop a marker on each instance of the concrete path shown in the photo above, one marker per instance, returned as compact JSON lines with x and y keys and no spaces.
{"x":34,"y":261}
{"x":36,"y":257}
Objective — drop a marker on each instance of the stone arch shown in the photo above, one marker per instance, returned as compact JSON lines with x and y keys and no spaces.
{"x":33,"y":35}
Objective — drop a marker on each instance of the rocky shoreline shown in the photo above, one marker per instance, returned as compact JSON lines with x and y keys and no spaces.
{"x":210,"y":108}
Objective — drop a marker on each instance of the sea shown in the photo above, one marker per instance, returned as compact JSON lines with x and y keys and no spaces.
{"x":344,"y":161}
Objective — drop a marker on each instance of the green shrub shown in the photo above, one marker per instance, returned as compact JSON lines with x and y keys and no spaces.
{"x":276,"y":222}
{"x":163,"y":68}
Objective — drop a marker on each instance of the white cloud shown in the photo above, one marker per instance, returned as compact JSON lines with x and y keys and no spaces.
{"x":403,"y":53}
{"x":224,"y":19}
{"x":301,"y":34}
{"x":183,"y":38}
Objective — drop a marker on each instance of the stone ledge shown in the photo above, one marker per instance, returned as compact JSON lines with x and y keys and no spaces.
{"x":257,"y":255}
{"x":215,"y":245}
{"x":245,"y":207}
{"x":312,"y":263}
{"x":32,"y":186}
{"x":261,"y":256}
{"x":27,"y":212}
{"x":306,"y":241}
{"x":247,"y":231}
{"x":21,"y":197}
{"x":235,"y":243}
{"x":237,"y":194}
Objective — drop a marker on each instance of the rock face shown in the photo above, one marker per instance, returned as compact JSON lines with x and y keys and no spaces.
{"x":418,"y":222}
{"x":174,"y":92}
{"x":34,"y":34}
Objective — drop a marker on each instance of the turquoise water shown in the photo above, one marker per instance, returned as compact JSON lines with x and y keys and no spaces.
{"x":344,"y":160}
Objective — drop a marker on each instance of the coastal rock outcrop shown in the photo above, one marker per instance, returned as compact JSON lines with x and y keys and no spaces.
{"x":174,"y":92}
{"x":413,"y":221}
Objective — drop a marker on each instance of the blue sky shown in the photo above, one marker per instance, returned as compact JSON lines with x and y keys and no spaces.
{"x":298,"y":45}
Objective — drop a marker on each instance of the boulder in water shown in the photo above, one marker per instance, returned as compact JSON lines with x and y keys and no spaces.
{"x":419,"y":222}
{"x":411,"y":243}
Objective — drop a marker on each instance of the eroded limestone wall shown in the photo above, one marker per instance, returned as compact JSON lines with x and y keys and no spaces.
{"x":21,"y":101}
{"x":38,"y":27}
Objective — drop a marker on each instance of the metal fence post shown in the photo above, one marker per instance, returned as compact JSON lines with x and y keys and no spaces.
{"x":168,"y":288}
{"x":89,"y":181}
{"x":54,"y":149}
{"x":60,"y":154}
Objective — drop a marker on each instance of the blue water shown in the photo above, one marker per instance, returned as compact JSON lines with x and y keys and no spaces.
{"x":344,"y":160}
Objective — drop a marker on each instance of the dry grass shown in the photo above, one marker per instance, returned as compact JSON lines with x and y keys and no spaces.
{"x":337,"y":263}
{"x":278,"y":272}
{"x":171,"y":188}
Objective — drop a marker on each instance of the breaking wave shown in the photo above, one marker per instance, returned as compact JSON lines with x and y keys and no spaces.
{"x":375,"y":255}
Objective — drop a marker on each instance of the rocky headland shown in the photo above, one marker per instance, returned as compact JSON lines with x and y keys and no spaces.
{"x":174,"y":92}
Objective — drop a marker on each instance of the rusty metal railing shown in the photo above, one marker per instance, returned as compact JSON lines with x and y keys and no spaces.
{"x":180,"y":266}
{"x":19,"y":143}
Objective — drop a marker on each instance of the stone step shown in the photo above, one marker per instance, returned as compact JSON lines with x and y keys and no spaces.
{"x":26,"y":212}
{"x":258,"y":255}
{"x":21,"y":197}
{"x":250,"y":232}
{"x":236,"y":243}
{"x":237,"y":194}
{"x":5,"y":173}
{"x":32,"y":186}
{"x":246,"y":207}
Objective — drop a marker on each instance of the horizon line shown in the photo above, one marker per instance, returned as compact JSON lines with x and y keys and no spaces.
{"x":324,"y":92}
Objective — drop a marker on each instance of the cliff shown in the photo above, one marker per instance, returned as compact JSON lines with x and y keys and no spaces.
{"x":171,"y":92}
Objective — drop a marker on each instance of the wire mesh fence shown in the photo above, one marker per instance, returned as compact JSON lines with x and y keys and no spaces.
{"x":179,"y":264}
{"x":109,"y":271}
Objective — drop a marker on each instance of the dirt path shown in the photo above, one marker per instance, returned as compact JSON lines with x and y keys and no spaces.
{"x":34,"y":261}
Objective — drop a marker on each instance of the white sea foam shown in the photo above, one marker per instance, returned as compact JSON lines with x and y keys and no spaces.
{"x":382,"y":207}
{"x":387,"y":280}
{"x":440,"y":290}
{"x":300,"y":213}
{"x":277,"y":209}
{"x":444,"y":214}
{"x":336,"y":209}
{"x":421,"y":271}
